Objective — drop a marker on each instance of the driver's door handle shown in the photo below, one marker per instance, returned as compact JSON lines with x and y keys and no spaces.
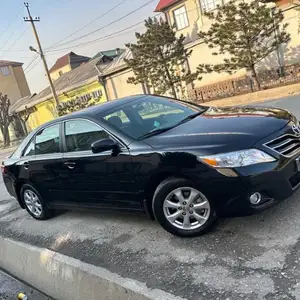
{"x":25,"y":164}
{"x":70,"y":164}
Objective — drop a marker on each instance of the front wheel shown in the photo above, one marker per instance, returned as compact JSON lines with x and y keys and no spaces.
{"x":34,"y":203}
{"x":181,"y":208}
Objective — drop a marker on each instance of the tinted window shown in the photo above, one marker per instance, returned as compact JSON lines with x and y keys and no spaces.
{"x":140,"y":117}
{"x":149,"y":110}
{"x":30,"y":150}
{"x":80,"y":134}
{"x":118,"y":115}
{"x":47,"y":140}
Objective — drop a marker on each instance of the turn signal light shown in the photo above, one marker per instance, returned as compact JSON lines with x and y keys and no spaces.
{"x":210,"y":161}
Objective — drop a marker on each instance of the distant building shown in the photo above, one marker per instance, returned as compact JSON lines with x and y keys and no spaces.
{"x":83,"y":82}
{"x":67,"y":63}
{"x":110,"y":53}
{"x":187,"y":17}
{"x":12,"y":80}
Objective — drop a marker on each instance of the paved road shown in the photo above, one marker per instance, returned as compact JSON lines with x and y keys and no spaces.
{"x":10,"y":288}
{"x":256,"y":257}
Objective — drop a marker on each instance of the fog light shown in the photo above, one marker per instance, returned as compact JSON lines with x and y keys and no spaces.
{"x":255,"y":198}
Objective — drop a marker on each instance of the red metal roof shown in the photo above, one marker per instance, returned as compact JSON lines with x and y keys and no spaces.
{"x":69,"y":58}
{"x":162,"y":4}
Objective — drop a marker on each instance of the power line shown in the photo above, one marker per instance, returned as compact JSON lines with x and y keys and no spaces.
{"x":18,"y":38}
{"x":37,"y":62}
{"x":113,"y":22}
{"x":88,"y":24}
{"x":41,"y":53}
{"x":34,"y":60}
{"x":31,"y":62}
{"x":14,"y":19}
{"x":105,"y":37}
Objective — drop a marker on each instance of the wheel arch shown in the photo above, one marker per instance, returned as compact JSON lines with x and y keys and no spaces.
{"x":154,"y":181}
{"x":18,"y":187}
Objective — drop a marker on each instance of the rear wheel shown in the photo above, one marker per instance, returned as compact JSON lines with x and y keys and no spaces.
{"x":34,"y":203}
{"x":181,"y":208}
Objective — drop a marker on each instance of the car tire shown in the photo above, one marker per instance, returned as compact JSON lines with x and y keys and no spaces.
{"x":34,"y":203}
{"x":181,"y":198}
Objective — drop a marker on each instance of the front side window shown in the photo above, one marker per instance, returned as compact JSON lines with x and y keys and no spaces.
{"x":30,"y":150}
{"x":81,"y":134}
{"x":47,"y":140}
{"x":181,"y":18}
{"x":4,"y":71}
{"x":208,"y":5}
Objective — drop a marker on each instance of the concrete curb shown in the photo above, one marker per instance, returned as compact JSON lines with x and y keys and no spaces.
{"x":64,"y":278}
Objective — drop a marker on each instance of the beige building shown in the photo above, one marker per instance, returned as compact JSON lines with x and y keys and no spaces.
{"x":115,"y":78}
{"x":188,"y":18}
{"x":12,"y":80}
{"x":67,"y":63}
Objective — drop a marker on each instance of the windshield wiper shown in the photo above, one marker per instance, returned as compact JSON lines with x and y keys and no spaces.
{"x":190,"y":117}
{"x":155,"y":132}
{"x":161,"y":130}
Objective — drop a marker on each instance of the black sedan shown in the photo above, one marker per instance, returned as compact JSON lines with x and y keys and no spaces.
{"x":181,"y":163}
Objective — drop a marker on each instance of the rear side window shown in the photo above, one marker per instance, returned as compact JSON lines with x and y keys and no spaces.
{"x":47,"y":140}
{"x":80,"y":134}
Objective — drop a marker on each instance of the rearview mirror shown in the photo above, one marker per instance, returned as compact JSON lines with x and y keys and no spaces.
{"x":104,"y":145}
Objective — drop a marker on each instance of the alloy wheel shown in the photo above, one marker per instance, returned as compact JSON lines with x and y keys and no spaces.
{"x":33,"y":203}
{"x":186,"y":208}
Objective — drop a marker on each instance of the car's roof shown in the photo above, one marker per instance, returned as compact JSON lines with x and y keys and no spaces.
{"x":99,"y":108}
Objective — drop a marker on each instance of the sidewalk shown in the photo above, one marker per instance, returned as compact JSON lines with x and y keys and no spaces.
{"x":283,"y":92}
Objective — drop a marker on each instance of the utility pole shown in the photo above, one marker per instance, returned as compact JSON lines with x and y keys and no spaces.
{"x":41,"y":53}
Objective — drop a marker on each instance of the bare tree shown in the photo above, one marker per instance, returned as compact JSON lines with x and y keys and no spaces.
{"x":5,"y":118}
{"x":24,"y":115}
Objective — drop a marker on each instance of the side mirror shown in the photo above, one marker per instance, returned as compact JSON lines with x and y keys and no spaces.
{"x":104,"y":145}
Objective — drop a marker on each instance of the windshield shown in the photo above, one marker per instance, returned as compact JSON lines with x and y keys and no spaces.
{"x":150,"y":114}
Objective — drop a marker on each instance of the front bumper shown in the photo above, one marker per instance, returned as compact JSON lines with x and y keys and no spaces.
{"x":275,"y":181}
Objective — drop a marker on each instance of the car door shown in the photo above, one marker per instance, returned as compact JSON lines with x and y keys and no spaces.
{"x":41,"y":162}
{"x":103,"y":179}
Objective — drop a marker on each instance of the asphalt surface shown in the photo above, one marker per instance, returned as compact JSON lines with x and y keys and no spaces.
{"x":10,"y":288}
{"x":256,"y":257}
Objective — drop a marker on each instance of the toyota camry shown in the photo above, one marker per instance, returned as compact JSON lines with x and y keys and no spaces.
{"x":182,"y":164}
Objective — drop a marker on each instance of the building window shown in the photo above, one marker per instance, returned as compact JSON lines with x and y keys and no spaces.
{"x":181,"y":18}
{"x":208,"y":5}
{"x":60,"y":73}
{"x":97,"y":94}
{"x":4,"y":71}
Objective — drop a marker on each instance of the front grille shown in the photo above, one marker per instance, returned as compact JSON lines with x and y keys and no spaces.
{"x":287,"y":145}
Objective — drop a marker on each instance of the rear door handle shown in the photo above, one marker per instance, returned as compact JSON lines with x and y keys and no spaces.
{"x":70,"y":164}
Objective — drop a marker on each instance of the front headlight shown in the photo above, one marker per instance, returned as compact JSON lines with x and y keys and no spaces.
{"x":237,"y":158}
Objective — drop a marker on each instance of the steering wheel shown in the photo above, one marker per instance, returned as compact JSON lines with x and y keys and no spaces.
{"x":161,"y":120}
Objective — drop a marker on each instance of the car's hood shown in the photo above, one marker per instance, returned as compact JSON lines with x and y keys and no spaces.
{"x":223,"y":129}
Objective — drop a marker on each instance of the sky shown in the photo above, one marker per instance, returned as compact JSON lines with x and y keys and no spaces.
{"x":58,"y":20}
